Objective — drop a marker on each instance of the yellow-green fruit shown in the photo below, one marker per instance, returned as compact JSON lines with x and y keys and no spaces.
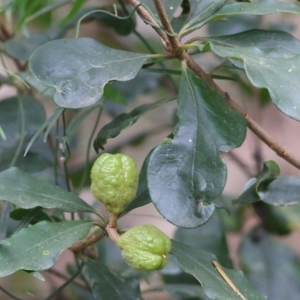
{"x":114,"y":181}
{"x":145,"y":248}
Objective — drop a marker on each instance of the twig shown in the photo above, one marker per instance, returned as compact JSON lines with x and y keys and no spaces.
{"x":65,"y":277}
{"x":185,"y":57}
{"x":65,"y":284}
{"x":227,"y":279}
{"x":144,"y":14}
{"x":9,"y":294}
{"x":173,"y":41}
{"x":77,"y":247}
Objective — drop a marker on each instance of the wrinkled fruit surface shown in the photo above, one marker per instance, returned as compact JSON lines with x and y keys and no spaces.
{"x":114,"y":180}
{"x":145,"y":248}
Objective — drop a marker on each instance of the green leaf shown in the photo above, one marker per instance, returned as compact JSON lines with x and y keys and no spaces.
{"x":281,"y":191}
{"x":142,"y":196}
{"x":169,"y":5}
{"x":79,"y":68}
{"x":272,"y":268}
{"x":260,"y":7}
{"x":20,"y":214}
{"x":36,"y":248}
{"x":121,"y":26}
{"x":34,"y":164}
{"x":269,"y":172}
{"x":199,"y":12}
{"x":186,"y":173}
{"x":200,"y":264}
{"x":183,"y":291}
{"x":279,"y":220}
{"x":77,"y":120}
{"x":271,"y":60}
{"x":112,"y":94}
{"x":49,"y":122}
{"x":11,"y":113}
{"x":27,"y":191}
{"x":143,"y":83}
{"x":94,"y":13}
{"x":22,"y":47}
{"x":209,"y":237}
{"x":4,"y":221}
{"x":123,"y":121}
{"x":106,"y":285}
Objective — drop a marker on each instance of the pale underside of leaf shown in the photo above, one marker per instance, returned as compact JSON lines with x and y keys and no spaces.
{"x":78,"y":69}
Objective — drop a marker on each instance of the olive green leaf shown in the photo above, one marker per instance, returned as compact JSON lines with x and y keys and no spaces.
{"x":12,"y":112}
{"x":212,"y":232}
{"x":27,"y":191}
{"x":200,"y":264}
{"x":271,"y":266}
{"x":269,"y":172}
{"x":106,"y":285}
{"x":36,"y":248}
{"x":270,"y":188}
{"x":123,"y":121}
{"x":186,"y":173}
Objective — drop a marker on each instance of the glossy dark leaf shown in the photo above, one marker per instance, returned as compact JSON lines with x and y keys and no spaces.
{"x":187,"y":173}
{"x":123,"y":121}
{"x":143,"y":83}
{"x":281,"y":191}
{"x":269,"y":173}
{"x":200,"y":264}
{"x":142,"y":195}
{"x":270,"y":59}
{"x":11,"y":113}
{"x":272,"y":268}
{"x":27,"y":191}
{"x":209,"y":237}
{"x":107,"y":285}
{"x":37,"y":247}
{"x":79,"y":68}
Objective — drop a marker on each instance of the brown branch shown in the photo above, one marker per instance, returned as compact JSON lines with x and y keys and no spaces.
{"x":173,"y":41}
{"x":144,"y":14}
{"x":65,"y":277}
{"x":252,"y":125}
{"x":77,"y":247}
